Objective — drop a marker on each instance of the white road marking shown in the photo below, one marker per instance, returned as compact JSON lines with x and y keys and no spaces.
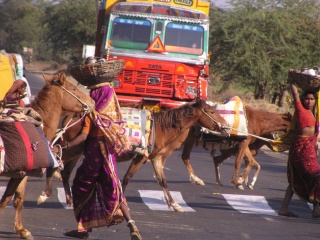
{"x":155,"y":200}
{"x":249,"y":204}
{"x":2,"y":190}
{"x":62,"y":198}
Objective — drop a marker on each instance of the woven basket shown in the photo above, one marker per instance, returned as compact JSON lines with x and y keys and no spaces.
{"x":305,"y":81}
{"x":95,"y":73}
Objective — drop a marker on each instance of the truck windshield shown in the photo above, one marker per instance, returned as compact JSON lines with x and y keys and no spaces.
{"x":183,"y":38}
{"x":130,"y":33}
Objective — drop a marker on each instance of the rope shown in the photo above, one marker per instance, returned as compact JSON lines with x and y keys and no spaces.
{"x":220,"y":126}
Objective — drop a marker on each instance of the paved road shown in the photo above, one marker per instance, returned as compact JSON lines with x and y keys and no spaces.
{"x":212,"y":211}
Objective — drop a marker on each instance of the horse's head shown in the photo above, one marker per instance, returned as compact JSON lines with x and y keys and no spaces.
{"x":72,"y":99}
{"x":209,"y":117}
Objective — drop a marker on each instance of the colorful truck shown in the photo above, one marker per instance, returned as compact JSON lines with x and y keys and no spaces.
{"x":164,"y":44}
{"x":7,"y":73}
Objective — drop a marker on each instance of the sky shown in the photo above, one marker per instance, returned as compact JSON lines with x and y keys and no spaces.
{"x":220,"y":3}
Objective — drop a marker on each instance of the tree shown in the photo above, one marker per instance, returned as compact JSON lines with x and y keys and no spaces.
{"x":70,"y":24}
{"x":255,"y":43}
{"x":20,"y":25}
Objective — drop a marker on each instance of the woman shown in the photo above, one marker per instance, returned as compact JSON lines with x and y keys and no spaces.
{"x":17,"y":92}
{"x":303,"y":170}
{"x":97,"y":194}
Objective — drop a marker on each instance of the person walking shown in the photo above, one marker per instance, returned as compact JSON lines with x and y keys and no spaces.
{"x":303,"y":170}
{"x":97,"y":194}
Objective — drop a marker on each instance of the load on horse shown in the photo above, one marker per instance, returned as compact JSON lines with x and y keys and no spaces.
{"x":57,"y":96}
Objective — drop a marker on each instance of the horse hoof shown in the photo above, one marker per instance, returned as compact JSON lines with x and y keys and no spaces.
{"x":42,"y":198}
{"x":176,"y":207}
{"x":250,"y":186}
{"x":197,"y":181}
{"x":240,"y":187}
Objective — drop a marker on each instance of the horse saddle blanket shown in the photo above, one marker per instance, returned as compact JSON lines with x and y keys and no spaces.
{"x":233,"y":111}
{"x":138,"y":124}
{"x":23,"y":147}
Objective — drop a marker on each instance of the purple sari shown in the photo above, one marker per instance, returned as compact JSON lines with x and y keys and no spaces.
{"x":96,"y":188}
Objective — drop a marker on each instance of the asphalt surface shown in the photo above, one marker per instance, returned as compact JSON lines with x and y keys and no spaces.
{"x":212,"y":211}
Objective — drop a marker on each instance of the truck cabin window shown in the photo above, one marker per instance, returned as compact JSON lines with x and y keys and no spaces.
{"x":183,"y":38}
{"x":130,"y":33}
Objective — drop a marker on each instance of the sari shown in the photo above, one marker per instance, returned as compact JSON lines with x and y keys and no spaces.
{"x":303,"y":170}
{"x":96,"y":188}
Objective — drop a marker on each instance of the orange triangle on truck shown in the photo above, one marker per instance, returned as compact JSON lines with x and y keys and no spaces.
{"x":156,"y":46}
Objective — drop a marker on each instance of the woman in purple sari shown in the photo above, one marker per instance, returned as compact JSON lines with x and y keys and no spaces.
{"x":97,"y":194}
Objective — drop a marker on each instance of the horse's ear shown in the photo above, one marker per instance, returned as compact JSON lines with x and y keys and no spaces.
{"x":62,"y":78}
{"x":46,"y":78}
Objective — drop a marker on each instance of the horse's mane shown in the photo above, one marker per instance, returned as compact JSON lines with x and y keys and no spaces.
{"x":46,"y":97}
{"x":173,"y":118}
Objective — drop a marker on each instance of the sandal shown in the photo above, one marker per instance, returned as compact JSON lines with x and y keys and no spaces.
{"x":76,"y":234}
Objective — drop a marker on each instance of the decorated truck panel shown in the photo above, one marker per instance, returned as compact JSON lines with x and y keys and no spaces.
{"x":165,"y":48}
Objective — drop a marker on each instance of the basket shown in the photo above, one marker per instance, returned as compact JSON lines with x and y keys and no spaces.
{"x":96,"y":73}
{"x":305,"y":81}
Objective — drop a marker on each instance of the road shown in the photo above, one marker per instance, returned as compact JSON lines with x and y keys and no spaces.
{"x":212,"y":211}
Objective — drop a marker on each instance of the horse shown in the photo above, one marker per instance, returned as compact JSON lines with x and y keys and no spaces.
{"x":261,"y":124}
{"x":171,"y":128}
{"x":57,"y":96}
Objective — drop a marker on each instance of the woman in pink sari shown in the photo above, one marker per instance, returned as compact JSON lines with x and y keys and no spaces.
{"x":97,"y":194}
{"x":303,"y":169}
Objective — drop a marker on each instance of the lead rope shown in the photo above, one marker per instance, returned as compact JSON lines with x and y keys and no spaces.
{"x":220,"y":126}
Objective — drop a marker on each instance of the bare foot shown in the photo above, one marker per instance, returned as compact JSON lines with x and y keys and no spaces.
{"x":287,"y":213}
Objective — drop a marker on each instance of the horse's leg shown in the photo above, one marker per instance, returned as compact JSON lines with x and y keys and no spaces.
{"x":158,"y":164}
{"x":18,"y":205}
{"x":133,"y":168}
{"x":65,"y":174}
{"x":48,"y":191}
{"x":185,"y":156}
{"x":218,"y":160}
{"x":243,"y":146}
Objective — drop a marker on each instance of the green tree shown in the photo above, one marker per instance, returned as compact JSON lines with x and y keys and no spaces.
{"x":20,"y":25}
{"x":70,"y":24}
{"x":255,"y":43}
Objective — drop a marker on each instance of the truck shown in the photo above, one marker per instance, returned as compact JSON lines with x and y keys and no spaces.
{"x":7,"y":72}
{"x":164,"y":44}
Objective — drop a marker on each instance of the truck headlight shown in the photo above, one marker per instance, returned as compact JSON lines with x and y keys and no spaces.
{"x":191,"y":90}
{"x":116,"y":83}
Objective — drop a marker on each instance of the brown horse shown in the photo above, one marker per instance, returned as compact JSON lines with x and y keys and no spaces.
{"x":57,"y":95}
{"x":260,"y":123}
{"x":171,"y":129}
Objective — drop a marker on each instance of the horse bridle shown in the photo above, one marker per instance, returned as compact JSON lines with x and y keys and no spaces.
{"x":86,"y":109}
{"x":220,"y":126}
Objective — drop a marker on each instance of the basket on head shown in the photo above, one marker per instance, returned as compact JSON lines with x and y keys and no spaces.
{"x":98,"y":72}
{"x":305,"y":81}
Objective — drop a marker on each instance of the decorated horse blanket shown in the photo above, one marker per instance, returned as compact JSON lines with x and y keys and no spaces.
{"x":138,"y":125}
{"x":23,"y":145}
{"x":233,"y":111}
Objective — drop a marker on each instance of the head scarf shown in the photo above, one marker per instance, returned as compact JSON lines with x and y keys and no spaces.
{"x":15,"y":86}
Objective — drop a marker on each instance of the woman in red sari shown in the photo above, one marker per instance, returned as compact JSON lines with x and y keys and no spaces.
{"x":97,"y":194}
{"x":303,"y":170}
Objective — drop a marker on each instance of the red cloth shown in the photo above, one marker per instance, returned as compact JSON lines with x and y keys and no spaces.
{"x":13,"y":92}
{"x":303,"y":169}
{"x":305,"y":117}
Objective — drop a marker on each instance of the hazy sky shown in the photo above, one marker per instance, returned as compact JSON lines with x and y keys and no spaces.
{"x":220,"y":3}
